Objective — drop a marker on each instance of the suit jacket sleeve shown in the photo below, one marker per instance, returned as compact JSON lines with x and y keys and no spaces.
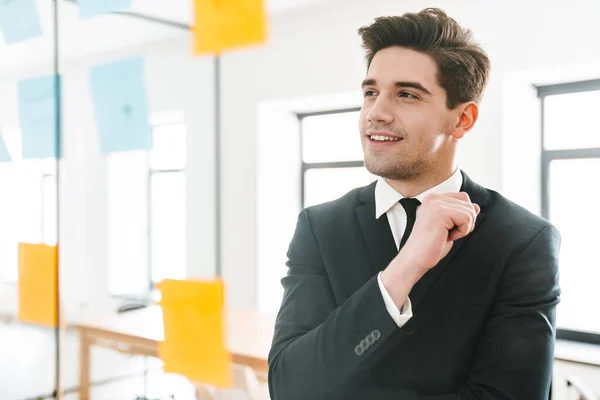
{"x":516,"y":349}
{"x":319,"y":347}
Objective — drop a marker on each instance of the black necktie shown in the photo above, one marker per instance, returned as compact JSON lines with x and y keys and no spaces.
{"x":410,"y":206}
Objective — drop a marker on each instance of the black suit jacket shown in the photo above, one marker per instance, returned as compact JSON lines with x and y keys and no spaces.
{"x":484,"y":317}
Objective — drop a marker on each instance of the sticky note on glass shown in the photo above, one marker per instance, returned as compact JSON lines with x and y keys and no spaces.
{"x":38,"y":285}
{"x":120,"y":106}
{"x":195,"y":345}
{"x":19,"y":20}
{"x":37,"y":117}
{"x":227,"y":24}
{"x":4,"y":154}
{"x":91,"y":8}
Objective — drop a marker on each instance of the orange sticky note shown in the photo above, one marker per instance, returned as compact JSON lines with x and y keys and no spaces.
{"x":194,"y":343}
{"x":38,"y":284}
{"x":228,"y":24}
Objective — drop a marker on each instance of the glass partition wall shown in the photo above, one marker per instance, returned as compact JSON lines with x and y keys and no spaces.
{"x":107,"y":133}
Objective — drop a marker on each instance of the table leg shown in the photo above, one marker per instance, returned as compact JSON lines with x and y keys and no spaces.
{"x":84,"y":365}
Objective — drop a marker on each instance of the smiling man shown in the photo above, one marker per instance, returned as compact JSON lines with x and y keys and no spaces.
{"x":422,"y":285}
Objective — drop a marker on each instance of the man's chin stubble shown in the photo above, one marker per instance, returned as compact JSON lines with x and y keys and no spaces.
{"x":394,"y":172}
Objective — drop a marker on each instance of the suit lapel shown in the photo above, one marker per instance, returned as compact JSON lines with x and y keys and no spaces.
{"x":380,"y":241}
{"x":376,"y":232}
{"x":477,"y":195}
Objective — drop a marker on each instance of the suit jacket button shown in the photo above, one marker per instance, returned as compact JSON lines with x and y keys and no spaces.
{"x":365,"y":345}
{"x":358,"y":350}
{"x":370,"y":339}
{"x":376,"y":334}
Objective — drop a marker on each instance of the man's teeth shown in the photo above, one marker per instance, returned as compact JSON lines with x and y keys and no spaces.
{"x":384,"y":138}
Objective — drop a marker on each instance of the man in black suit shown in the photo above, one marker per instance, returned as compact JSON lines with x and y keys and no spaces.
{"x":422,"y":285}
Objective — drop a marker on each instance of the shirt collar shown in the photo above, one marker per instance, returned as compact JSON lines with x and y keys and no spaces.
{"x":386,"y":196}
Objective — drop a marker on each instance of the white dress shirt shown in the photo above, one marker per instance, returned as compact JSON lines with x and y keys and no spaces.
{"x":387,"y":201}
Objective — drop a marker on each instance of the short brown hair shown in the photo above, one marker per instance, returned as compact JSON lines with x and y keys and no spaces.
{"x":463,"y":66}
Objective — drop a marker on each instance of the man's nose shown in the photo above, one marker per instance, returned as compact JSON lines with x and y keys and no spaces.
{"x":380,"y":111}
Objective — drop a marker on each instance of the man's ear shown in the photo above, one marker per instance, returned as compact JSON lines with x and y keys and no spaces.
{"x":467,"y":117}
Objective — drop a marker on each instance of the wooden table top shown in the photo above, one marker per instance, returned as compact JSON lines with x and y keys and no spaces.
{"x":249,"y":332}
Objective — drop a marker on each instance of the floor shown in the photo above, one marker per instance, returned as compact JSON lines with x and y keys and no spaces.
{"x":27,"y":370}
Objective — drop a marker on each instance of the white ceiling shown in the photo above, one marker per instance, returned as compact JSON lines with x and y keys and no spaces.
{"x":81,"y":37}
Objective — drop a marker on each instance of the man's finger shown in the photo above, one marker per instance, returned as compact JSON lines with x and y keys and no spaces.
{"x":463,"y":221}
{"x":464,"y":196}
{"x":451,"y":198}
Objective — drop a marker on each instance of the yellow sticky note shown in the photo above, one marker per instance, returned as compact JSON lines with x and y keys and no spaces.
{"x":228,"y":24}
{"x":38,"y":284}
{"x":194,"y":344}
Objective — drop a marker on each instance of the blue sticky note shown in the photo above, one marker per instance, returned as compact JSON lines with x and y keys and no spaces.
{"x":37,"y":116}
{"x":91,"y":8}
{"x":19,"y":20}
{"x":120,"y":106}
{"x":4,"y":155}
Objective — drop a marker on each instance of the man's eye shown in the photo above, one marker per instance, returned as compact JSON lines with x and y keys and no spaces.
{"x":369,"y":93}
{"x":408,"y":95}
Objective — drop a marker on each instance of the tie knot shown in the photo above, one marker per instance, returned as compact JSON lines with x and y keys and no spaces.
{"x":410,"y":205}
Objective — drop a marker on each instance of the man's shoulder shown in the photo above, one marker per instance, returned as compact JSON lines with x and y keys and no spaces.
{"x":342,"y":205}
{"x":512,"y":218}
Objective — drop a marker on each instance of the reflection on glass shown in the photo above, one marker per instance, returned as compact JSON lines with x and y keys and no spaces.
{"x":9,"y":221}
{"x":48,"y":166}
{"x":49,"y":209}
{"x":28,"y":350}
{"x":29,"y":205}
{"x":574,"y":210}
{"x":168,"y":227}
{"x":570,"y":121}
{"x":127,"y":225}
{"x":168,"y":147}
{"x":326,"y":184}
{"x":331,"y":137}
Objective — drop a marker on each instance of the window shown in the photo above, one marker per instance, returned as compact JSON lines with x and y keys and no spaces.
{"x":9,"y":211}
{"x":147,"y":212}
{"x":127,"y":223}
{"x":570,"y":192}
{"x":332,"y":156}
{"x":49,"y":202}
{"x":28,"y":205}
{"x":167,"y":203}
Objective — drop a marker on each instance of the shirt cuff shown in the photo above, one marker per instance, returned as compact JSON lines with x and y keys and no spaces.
{"x":401,"y":316}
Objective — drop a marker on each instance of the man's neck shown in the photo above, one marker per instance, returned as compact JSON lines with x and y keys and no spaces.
{"x":414,"y":187}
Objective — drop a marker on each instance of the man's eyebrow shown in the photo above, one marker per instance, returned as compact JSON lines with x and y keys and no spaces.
{"x":399,"y":84}
{"x":414,"y":85}
{"x":368,"y":82}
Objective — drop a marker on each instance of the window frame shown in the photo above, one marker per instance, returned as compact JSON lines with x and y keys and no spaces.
{"x":547,"y":157}
{"x":152,"y":286}
{"x":5,"y":281}
{"x":151,"y":293}
{"x":53,"y":177}
{"x":40,"y":179}
{"x":321,"y":165}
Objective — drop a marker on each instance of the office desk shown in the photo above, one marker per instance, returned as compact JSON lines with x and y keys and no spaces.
{"x":249,"y":335}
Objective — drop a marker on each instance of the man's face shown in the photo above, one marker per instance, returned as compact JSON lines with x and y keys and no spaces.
{"x":403,"y":102}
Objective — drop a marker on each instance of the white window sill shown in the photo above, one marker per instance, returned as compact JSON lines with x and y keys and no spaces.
{"x":577,"y":352}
